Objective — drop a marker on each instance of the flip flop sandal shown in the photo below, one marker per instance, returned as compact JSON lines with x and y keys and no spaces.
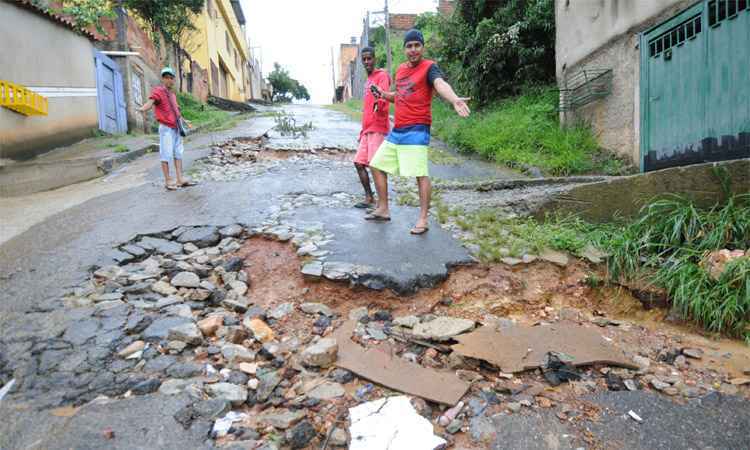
{"x":419,"y":230}
{"x":363,"y":205}
{"x":377,"y":218}
{"x":170,"y":187}
{"x":188,"y":183}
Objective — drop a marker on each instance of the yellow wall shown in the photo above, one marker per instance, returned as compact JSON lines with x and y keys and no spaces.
{"x":209,"y":45}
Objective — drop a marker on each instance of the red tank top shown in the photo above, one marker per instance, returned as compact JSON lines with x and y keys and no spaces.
{"x":413,"y":95}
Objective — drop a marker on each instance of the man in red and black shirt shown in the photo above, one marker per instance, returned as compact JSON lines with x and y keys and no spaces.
{"x":405,"y":150}
{"x":167,"y":113}
{"x":374,"y":122}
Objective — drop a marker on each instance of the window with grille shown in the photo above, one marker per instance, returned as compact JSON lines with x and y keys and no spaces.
{"x":677,"y":36}
{"x":721,"y":10}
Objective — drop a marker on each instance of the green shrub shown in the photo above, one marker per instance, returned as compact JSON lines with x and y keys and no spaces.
{"x":202,"y":115}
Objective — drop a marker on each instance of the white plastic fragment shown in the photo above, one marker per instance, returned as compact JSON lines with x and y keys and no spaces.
{"x":7,"y":388}
{"x":635,"y":416}
{"x":222,"y":425}
{"x":391,"y":423}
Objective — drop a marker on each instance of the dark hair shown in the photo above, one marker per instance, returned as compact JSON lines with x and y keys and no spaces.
{"x":367,"y":49}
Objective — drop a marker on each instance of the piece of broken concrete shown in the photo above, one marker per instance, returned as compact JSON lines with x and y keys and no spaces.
{"x":396,"y":373}
{"x":442,"y":328}
{"x":521,"y":348}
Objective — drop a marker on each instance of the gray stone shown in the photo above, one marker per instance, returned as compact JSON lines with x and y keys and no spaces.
{"x":694,"y":353}
{"x":593,"y":254}
{"x":659,"y":385}
{"x":211,"y":409}
{"x":186,"y":279}
{"x":316,"y":308}
{"x":442,"y":328}
{"x":281,"y":311}
{"x":163,"y":288}
{"x":202,"y":237}
{"x":281,"y":419}
{"x":322,"y":353}
{"x":188,"y":333}
{"x":406,"y":321}
{"x":338,"y":270}
{"x":234,"y":353}
{"x":642,"y":362}
{"x":231,"y":230}
{"x":339,"y":438}
{"x":239,"y":287}
{"x":232,"y":393}
{"x":81,"y":331}
{"x":134,"y":250}
{"x":173,"y":387}
{"x":239,"y":305}
{"x":160,"y":245}
{"x":267,"y":383}
{"x":455,"y":426}
{"x":187,"y":369}
{"x":146,"y":386}
{"x":301,"y":435}
{"x":326,"y":390}
{"x":358,"y":313}
{"x":159,"y":364}
{"x":376,"y":331}
{"x":313,"y":269}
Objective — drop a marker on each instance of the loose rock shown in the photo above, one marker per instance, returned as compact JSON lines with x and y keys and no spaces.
{"x":321,"y":354}
{"x":229,"y":392}
{"x":188,"y":333}
{"x":186,"y":279}
{"x":442,"y":328}
{"x":261,"y":331}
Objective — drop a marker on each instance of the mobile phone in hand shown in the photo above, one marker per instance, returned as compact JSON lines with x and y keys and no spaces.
{"x":374,"y":91}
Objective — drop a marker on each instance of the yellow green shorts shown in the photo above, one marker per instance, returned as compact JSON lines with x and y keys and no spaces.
{"x":402,"y":160}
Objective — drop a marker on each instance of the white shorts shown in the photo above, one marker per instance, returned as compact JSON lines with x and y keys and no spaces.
{"x":170,"y":144}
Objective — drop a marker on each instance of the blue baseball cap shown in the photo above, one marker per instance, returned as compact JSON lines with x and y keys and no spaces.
{"x":168,"y":71}
{"x":413,"y":35}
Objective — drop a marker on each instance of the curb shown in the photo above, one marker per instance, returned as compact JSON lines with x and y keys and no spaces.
{"x":111,"y":162}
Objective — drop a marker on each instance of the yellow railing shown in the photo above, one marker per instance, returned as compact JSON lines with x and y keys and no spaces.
{"x":22,"y":100}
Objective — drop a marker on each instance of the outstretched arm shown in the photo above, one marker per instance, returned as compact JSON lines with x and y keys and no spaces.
{"x":388,"y":95}
{"x":446,"y":91}
{"x":146,"y":106}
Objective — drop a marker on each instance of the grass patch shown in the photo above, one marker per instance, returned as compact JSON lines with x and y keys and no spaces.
{"x":523,"y":132}
{"x":667,"y":246}
{"x":206,"y":116}
{"x":497,"y":236}
{"x":118,"y":148}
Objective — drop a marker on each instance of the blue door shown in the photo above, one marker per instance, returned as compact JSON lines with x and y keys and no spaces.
{"x":110,"y":95}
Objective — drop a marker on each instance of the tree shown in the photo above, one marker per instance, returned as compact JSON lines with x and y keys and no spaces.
{"x":494,"y":49}
{"x":286,"y":88}
{"x":171,"y":18}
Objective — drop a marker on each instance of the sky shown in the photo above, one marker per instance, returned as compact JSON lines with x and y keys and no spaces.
{"x":299,"y":34}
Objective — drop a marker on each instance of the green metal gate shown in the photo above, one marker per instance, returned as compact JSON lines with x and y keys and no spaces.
{"x":695,"y":86}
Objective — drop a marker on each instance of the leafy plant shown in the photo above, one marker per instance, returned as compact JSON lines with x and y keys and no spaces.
{"x":667,"y":245}
{"x":286,"y":124}
{"x":88,"y":13}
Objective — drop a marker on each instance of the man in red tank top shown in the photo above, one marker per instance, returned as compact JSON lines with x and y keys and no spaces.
{"x":405,"y":150}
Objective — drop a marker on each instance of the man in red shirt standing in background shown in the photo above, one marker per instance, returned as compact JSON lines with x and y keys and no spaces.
{"x":405,"y":150}
{"x":374,"y":122}
{"x":167,"y":113}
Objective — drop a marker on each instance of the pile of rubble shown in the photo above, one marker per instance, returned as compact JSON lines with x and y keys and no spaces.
{"x":291,"y":374}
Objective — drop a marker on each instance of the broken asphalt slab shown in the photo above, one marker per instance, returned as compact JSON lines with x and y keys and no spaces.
{"x":396,"y":373}
{"x":389,"y":257}
{"x":519,"y":348}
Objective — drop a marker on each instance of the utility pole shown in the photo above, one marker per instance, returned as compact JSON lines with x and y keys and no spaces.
{"x":333,"y":76}
{"x":388,"y":39}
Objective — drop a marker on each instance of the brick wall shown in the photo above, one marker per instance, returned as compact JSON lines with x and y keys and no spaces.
{"x":446,"y":7}
{"x":402,"y":22}
{"x":200,"y":81}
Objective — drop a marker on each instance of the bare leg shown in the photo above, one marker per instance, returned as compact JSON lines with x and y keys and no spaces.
{"x":178,"y":171}
{"x":364,"y":178}
{"x":165,"y":171}
{"x":381,"y":186}
{"x":425,"y":195}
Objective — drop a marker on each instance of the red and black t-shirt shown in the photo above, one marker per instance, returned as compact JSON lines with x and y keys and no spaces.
{"x":414,"y":89}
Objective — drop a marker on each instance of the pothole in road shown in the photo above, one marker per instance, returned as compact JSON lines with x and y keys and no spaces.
{"x":244,"y":157}
{"x":218,"y":313}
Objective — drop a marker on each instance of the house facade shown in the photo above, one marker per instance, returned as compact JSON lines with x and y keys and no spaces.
{"x":42,"y":52}
{"x":662,"y":83}
{"x":348,"y":54}
{"x":219,"y":45}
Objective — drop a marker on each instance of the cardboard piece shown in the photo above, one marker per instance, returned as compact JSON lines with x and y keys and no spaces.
{"x":519,"y":348}
{"x":396,"y":373}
